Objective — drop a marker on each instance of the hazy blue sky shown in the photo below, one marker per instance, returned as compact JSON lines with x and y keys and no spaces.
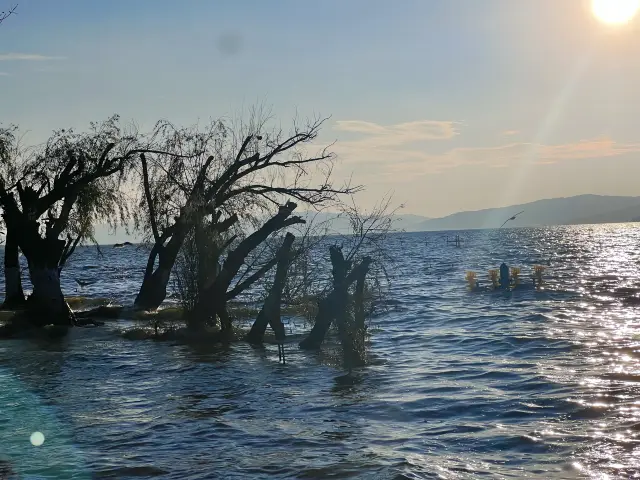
{"x":452,"y":104}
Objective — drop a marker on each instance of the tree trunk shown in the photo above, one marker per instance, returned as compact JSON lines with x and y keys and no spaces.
{"x":270,"y":313}
{"x":14,"y":296}
{"x":46,"y":305}
{"x":204,"y":254}
{"x":212,"y":301}
{"x":153,"y":290}
{"x":354,"y":333}
{"x":334,"y":306}
{"x":321,"y":324}
{"x":330,"y":305}
{"x":358,"y":300}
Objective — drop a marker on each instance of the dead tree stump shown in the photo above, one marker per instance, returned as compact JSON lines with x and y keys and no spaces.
{"x":335,"y":305}
{"x":354,"y":337}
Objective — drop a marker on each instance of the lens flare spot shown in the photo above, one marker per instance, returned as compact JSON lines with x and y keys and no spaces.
{"x":36,"y":439}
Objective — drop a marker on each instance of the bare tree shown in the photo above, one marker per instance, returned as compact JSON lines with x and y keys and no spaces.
{"x":217,"y":290}
{"x":171,"y":201}
{"x":237,"y":173}
{"x":199,"y":258}
{"x":360,"y":262}
{"x":369,"y":236}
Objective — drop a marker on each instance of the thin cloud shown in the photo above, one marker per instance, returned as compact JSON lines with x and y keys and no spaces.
{"x":404,"y":164}
{"x":601,"y":147}
{"x":4,"y":74}
{"x":597,"y":148}
{"x":27,"y":57}
{"x":376,"y":135}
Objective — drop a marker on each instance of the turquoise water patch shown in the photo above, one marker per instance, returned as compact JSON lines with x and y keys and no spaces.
{"x":34,"y":443}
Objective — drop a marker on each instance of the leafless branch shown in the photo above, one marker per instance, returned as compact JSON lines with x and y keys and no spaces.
{"x":8,"y":13}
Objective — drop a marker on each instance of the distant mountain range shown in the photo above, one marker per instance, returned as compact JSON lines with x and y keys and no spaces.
{"x":581,"y":209}
{"x":340,"y":224}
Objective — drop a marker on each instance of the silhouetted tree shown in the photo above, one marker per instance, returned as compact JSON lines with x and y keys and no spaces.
{"x":65,"y":185}
{"x":218,"y":289}
{"x":10,"y":168}
{"x":360,"y":260}
{"x":234,"y":173}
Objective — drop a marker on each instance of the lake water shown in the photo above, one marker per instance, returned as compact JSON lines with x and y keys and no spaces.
{"x":528,"y":384}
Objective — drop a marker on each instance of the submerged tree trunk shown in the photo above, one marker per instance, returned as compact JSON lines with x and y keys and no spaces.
{"x":212,"y":302}
{"x":46,"y":305}
{"x":204,"y":256}
{"x":334,"y":306}
{"x":14,"y":295}
{"x":358,"y":300}
{"x":328,"y":306}
{"x":321,"y":324}
{"x":153,"y":290}
{"x":270,"y":313}
{"x":354,"y":335}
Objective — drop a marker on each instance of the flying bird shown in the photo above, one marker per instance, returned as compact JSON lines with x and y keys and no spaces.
{"x":512,"y":218}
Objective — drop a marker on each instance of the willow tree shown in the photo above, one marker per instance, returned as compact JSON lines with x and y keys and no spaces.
{"x":233,"y":172}
{"x":66,"y":184}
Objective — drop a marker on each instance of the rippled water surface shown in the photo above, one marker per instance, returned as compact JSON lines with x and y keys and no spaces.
{"x":528,"y":384}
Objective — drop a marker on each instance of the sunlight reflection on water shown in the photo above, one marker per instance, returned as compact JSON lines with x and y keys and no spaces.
{"x":535,"y":384}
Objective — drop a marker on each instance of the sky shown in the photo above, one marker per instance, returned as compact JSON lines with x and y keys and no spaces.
{"x":449,"y":105}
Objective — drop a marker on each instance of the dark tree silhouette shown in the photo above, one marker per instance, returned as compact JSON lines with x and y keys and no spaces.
{"x":216,"y":292}
{"x":271,"y":310}
{"x":10,"y":168}
{"x":65,"y":185}
{"x":233,"y":174}
{"x":360,"y":260}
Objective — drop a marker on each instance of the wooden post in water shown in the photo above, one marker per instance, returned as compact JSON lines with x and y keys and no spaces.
{"x":456,"y":241}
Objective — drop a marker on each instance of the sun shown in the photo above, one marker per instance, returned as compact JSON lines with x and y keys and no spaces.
{"x":615,"y":11}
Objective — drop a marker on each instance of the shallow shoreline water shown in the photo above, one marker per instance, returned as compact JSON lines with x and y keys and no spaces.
{"x":527,"y":384}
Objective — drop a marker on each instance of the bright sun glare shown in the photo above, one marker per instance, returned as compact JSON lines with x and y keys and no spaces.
{"x":615,"y":11}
